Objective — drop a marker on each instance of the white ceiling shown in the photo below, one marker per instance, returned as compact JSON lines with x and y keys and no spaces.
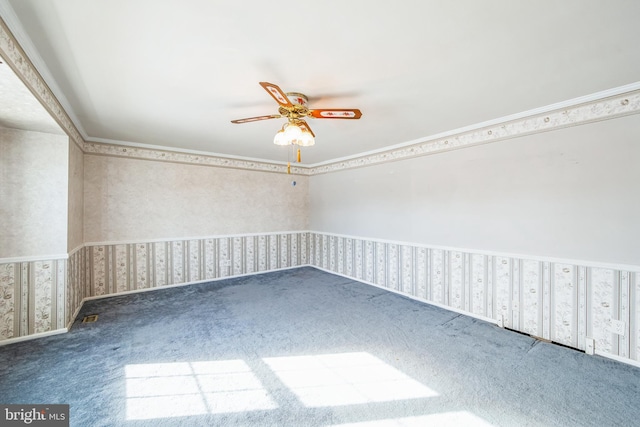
{"x":174,"y":73}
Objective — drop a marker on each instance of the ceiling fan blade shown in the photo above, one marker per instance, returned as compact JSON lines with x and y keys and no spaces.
{"x":255,"y":119}
{"x":277,"y":94}
{"x":336,"y":113}
{"x":304,"y":125}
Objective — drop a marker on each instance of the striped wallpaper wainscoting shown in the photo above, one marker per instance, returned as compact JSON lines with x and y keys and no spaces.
{"x":32,"y":297}
{"x":561,"y":302}
{"x":44,"y":296}
{"x":40,"y":296}
{"x":117,"y":268}
{"x":564,"y":302}
{"x":77,"y":272}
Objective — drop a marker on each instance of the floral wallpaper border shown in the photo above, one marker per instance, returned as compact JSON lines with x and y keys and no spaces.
{"x":561,"y":302}
{"x":18,"y":60}
{"x":602,"y":109}
{"x":605,"y":108}
{"x":194,"y":159}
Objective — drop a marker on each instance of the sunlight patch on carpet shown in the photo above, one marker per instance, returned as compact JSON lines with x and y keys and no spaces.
{"x":345,"y":379}
{"x":445,"y":419}
{"x":163,"y":390}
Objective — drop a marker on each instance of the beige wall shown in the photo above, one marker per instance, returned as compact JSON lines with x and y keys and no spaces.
{"x":570,"y":193}
{"x":76,"y":198}
{"x":129,"y":199}
{"x":33,"y":191}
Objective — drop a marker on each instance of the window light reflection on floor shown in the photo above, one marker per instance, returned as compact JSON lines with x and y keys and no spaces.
{"x":445,"y":419}
{"x":161,"y":390}
{"x":345,"y":379}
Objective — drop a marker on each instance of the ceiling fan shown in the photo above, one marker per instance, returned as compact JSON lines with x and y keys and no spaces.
{"x":293,"y":106}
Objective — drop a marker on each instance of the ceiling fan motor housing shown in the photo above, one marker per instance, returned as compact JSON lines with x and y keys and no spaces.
{"x":298,"y":108}
{"x":298,"y":98}
{"x":294,"y":106}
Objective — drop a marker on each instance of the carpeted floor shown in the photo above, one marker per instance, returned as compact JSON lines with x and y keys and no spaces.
{"x":306,"y":348}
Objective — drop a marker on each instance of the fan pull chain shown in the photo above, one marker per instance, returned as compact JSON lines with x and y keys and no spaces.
{"x":299,"y":156}
{"x":289,"y":153}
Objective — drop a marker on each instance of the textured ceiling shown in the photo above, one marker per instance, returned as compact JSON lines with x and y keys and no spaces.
{"x":175,"y":73}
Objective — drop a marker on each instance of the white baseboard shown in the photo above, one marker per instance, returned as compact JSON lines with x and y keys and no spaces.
{"x":435,"y":304}
{"x":75,"y":314}
{"x":33,"y":336}
{"x":135,"y":291}
{"x":196,"y":282}
{"x":452,"y":309}
{"x":618,"y":358}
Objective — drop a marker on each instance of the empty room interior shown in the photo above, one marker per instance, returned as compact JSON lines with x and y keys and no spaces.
{"x":328,"y":213}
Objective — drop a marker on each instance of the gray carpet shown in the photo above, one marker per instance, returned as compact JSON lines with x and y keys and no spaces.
{"x":306,"y":348}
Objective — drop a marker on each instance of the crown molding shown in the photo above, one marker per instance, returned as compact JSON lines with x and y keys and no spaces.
{"x":162,"y":148}
{"x":18,"y":60}
{"x":31,"y":69}
{"x":610,"y":104}
{"x":617,"y":102}
{"x":143,"y":153}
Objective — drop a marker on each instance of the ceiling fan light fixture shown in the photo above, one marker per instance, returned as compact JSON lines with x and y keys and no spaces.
{"x":306,"y":139}
{"x":293,"y":106}
{"x":292,"y":133}
{"x":280,"y":139}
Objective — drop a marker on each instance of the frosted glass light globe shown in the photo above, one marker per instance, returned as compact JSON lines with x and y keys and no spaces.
{"x":306,"y":139}
{"x":280,"y":139}
{"x":292,"y":133}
